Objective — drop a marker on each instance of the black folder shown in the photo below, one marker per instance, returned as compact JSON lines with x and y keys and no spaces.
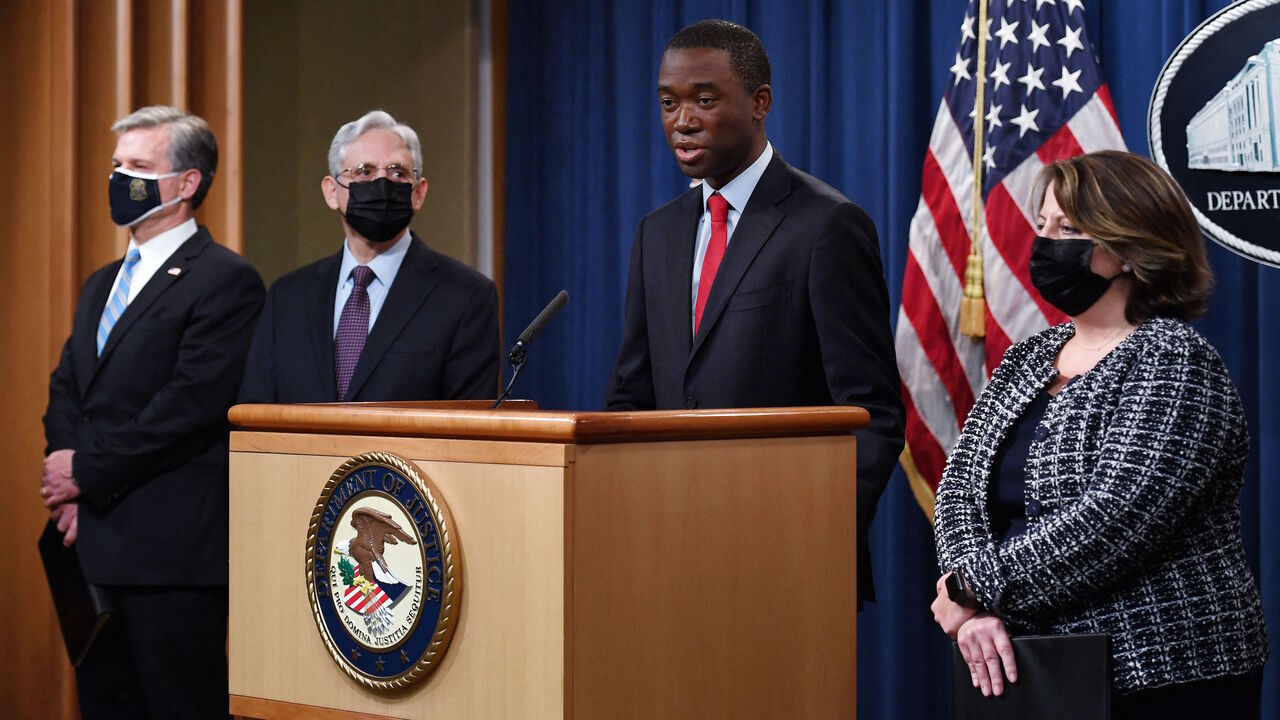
{"x":1060,"y":677}
{"x":82,"y":608}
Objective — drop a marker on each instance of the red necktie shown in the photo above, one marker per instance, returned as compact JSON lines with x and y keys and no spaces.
{"x":719,"y":208}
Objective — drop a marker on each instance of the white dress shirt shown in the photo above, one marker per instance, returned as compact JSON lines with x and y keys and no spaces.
{"x":153,"y":254}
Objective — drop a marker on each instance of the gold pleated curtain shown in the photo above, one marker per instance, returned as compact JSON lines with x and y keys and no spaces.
{"x":70,"y":68}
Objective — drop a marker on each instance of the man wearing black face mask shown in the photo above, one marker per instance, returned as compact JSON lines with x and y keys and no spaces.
{"x":386,"y":318}
{"x":136,"y":469}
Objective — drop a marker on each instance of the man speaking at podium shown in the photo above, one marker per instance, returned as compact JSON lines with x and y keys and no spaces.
{"x":136,"y":466}
{"x":763,"y":286}
{"x":386,"y":318}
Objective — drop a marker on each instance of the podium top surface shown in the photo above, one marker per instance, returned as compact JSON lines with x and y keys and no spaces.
{"x":523,"y":423}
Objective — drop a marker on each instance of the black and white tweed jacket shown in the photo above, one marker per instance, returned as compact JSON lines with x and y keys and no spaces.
{"x":1133,"y":522}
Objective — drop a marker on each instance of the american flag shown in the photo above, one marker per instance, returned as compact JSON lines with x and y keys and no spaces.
{"x":1045,"y":99}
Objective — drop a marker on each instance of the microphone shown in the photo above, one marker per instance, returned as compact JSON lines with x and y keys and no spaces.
{"x":518,"y":354}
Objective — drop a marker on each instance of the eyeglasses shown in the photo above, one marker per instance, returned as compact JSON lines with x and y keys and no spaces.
{"x":364,"y":172}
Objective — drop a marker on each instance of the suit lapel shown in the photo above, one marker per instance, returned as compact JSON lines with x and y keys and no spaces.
{"x":171,"y":272}
{"x":86,"y":345}
{"x":680,"y":311}
{"x":321,"y":293}
{"x":756,"y":225}
{"x":408,"y":291}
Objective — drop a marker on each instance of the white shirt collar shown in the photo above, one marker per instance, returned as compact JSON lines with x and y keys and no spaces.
{"x":384,"y":266}
{"x":158,"y":249}
{"x":738,"y":190}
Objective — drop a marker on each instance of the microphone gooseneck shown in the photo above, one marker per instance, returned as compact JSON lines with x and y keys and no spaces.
{"x":519,"y":352}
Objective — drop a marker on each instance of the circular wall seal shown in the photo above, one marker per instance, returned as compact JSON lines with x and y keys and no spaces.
{"x":383,"y":571}
{"x":1214,"y":124}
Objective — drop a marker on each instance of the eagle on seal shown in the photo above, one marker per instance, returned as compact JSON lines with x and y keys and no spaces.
{"x":374,"y":530}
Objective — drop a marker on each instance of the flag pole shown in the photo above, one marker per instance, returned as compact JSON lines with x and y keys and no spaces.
{"x":973,"y":307}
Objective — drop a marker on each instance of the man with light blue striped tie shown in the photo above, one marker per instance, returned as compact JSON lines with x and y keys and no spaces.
{"x":135,"y":473}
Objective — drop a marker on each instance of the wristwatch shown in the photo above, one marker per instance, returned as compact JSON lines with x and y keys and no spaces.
{"x":958,"y":591}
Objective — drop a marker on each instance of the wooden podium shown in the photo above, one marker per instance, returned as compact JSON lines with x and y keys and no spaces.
{"x":682,"y":564}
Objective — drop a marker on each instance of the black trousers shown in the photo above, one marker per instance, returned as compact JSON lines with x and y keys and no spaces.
{"x":1232,"y":697}
{"x":161,"y":655}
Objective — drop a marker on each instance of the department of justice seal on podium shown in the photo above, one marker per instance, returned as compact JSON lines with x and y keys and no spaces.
{"x":384,"y":571}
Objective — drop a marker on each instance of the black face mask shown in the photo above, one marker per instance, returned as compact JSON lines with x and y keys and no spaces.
{"x":135,"y":197}
{"x":1060,"y":271}
{"x":379,"y":210}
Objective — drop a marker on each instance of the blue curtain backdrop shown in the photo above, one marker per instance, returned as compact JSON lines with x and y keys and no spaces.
{"x":856,"y":87}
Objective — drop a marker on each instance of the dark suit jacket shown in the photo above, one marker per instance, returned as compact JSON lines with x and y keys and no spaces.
{"x":436,"y":337}
{"x":798,"y":315}
{"x":148,"y":419}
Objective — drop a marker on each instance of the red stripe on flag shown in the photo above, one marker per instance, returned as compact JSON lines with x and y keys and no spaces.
{"x":935,"y":339}
{"x":1061,"y":145}
{"x":946,"y":216}
{"x":925,"y":449}
{"x":1104,"y":94}
{"x":995,"y":343}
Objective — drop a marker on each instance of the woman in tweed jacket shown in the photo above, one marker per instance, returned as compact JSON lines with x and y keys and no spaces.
{"x":1094,"y":486}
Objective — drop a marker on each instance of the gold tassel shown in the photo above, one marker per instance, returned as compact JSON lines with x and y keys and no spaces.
{"x":973,"y":306}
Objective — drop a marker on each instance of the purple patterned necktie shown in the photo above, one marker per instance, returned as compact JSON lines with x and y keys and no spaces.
{"x":353,"y":327}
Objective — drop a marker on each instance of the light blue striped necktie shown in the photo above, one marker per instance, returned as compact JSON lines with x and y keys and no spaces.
{"x":119,"y":299}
